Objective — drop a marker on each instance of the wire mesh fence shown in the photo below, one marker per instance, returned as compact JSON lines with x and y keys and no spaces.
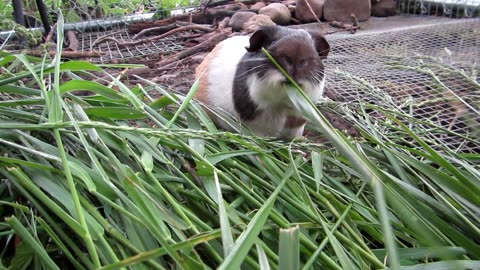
{"x":445,"y":8}
{"x":113,"y":51}
{"x":76,"y":11}
{"x":426,"y":73}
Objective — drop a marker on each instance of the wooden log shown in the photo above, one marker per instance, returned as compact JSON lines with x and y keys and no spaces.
{"x":171,"y":32}
{"x":65,"y":54}
{"x":204,"y":46}
{"x":72,"y":41}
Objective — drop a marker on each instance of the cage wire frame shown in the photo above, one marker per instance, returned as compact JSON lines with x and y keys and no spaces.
{"x":425,"y":75}
{"x":444,"y":8}
{"x":388,"y":68}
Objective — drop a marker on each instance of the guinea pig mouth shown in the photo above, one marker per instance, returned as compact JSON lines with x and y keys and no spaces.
{"x":287,"y":83}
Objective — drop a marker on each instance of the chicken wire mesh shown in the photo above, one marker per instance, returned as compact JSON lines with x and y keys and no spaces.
{"x":112,"y":49}
{"x":444,"y":8}
{"x":425,"y":73}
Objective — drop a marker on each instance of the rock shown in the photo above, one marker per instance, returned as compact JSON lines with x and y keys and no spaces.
{"x":257,"y":6}
{"x":166,"y":77}
{"x":303,"y":13}
{"x":340,"y":10}
{"x":198,"y":58}
{"x":236,"y":6}
{"x":384,"y":8}
{"x":243,"y":6}
{"x":239,"y":19}
{"x":279,"y":13}
{"x":256,"y":22}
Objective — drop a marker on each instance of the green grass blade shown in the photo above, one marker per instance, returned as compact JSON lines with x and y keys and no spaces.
{"x":14,"y":89}
{"x":162,"y":251}
{"x":185,"y":102}
{"x":445,"y":265}
{"x":262,"y":258}
{"x":60,"y":244}
{"x":30,"y":240}
{"x":75,"y":85}
{"x":249,"y":236}
{"x":56,"y":115}
{"x":289,"y":249}
{"x":227,"y":238}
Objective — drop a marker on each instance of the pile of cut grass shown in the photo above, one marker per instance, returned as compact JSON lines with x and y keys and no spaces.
{"x":119,"y":180}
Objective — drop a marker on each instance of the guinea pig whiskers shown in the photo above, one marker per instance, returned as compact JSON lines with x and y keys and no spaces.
{"x":259,"y":59}
{"x":316,"y":79}
{"x":317,"y":75}
{"x":318,"y":72}
{"x":251,"y":70}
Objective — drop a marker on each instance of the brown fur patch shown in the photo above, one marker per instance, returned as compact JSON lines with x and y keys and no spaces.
{"x":294,"y":122}
{"x":203,"y":87}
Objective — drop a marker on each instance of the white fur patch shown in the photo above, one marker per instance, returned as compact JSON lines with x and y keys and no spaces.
{"x":315,"y":91}
{"x":222,"y":72}
{"x":267,"y":91}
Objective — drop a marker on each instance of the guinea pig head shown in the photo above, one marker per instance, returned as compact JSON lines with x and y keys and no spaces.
{"x":299,"y":53}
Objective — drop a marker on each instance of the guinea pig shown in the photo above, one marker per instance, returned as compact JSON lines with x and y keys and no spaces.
{"x":238,"y":77}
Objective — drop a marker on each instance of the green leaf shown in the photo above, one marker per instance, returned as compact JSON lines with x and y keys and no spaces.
{"x":117,"y":113}
{"x":262,"y":258}
{"x":196,"y":144}
{"x":14,"y":89}
{"x":77,"y":65}
{"x":147,"y":161}
{"x":289,"y":249}
{"x":83,"y":176}
{"x":74,"y":85}
{"x":445,"y":265}
{"x":227,"y":238}
{"x":23,"y":258}
{"x":248,"y":237}
{"x":160,"y":103}
{"x":204,"y":238}
{"x":317,"y":165}
{"x":32,"y":242}
{"x":216,"y":158}
{"x":185,"y":102}
{"x":423,"y":253}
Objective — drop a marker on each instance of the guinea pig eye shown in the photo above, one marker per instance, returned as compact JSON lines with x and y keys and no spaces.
{"x":288,"y":60}
{"x":303,"y":62}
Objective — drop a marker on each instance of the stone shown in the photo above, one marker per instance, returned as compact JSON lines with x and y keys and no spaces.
{"x":257,"y":21}
{"x":167,"y":77}
{"x":239,"y":19}
{"x":198,"y":58}
{"x":340,"y":10}
{"x":303,"y":13}
{"x":236,"y":6}
{"x":384,"y":8}
{"x":257,"y":6}
{"x":279,"y":13}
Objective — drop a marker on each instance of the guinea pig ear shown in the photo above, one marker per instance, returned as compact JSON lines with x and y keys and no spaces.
{"x":258,"y":40}
{"x":321,"y":44}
